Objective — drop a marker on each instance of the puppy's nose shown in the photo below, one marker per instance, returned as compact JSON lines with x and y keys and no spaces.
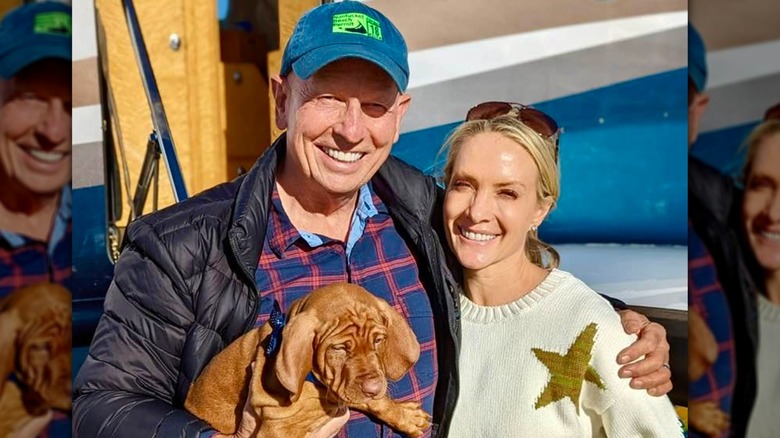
{"x":371,"y":385}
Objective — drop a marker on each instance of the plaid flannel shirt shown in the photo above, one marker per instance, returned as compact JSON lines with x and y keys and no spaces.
{"x":25,"y":261}
{"x":707,"y":297}
{"x":375,"y":257}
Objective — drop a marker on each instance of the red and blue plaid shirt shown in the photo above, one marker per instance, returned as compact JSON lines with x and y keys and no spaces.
{"x":25,"y":261}
{"x":707,"y":297}
{"x":375,"y":257}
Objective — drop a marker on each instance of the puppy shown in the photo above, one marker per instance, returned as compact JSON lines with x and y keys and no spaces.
{"x":349,"y":339}
{"x":35,"y":348}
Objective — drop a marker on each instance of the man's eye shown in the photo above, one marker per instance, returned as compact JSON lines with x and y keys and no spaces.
{"x":374,"y":109}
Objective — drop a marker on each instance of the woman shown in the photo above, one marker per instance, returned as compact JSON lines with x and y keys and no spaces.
{"x":761,"y":218}
{"x":538,"y":349}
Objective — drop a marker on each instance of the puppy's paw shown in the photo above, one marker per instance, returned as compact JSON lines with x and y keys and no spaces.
{"x":412,"y":421}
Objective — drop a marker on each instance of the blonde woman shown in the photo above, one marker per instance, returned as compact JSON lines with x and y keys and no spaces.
{"x":539,"y":346}
{"x":761,"y":219}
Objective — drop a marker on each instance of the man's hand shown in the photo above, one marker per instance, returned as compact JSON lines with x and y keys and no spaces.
{"x":707,"y":419}
{"x":34,"y":427}
{"x":702,"y":346}
{"x":651,"y":373}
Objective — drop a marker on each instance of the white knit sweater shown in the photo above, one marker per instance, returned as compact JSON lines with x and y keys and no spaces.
{"x":507,"y":388}
{"x":763,"y":418}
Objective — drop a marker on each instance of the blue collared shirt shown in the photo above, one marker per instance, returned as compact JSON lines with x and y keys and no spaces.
{"x":365,"y":209}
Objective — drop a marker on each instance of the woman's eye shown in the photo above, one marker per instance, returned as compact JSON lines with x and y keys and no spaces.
{"x":510,"y":194}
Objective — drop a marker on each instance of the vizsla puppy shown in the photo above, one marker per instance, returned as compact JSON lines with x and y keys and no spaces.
{"x":350,"y":340}
{"x":35,"y":347}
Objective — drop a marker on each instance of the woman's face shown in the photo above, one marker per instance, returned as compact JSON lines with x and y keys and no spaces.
{"x":491,"y":202}
{"x":761,"y":207}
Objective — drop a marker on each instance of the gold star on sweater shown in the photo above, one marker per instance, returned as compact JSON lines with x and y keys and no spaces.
{"x":569,"y":372}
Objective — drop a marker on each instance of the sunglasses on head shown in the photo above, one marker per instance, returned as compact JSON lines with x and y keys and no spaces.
{"x":772,"y":113}
{"x":540,"y":122}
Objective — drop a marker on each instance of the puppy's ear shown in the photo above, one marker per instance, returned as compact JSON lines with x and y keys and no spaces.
{"x":402,"y":349}
{"x":296,"y":355}
{"x":9,"y":330}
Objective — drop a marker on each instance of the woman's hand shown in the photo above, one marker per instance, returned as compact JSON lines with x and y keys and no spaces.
{"x":653,"y":372}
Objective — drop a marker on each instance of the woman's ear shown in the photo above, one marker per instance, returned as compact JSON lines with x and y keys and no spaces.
{"x":544,"y":207}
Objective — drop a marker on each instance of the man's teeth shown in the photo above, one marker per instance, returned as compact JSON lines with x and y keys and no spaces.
{"x":49,"y":157}
{"x":477,"y":236}
{"x":347,"y":157}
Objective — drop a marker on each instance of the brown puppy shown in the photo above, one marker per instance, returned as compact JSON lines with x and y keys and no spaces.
{"x":348,"y":338}
{"x":35,"y":346}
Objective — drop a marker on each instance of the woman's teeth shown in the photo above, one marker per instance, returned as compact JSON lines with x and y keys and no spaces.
{"x":770,"y":235}
{"x":477,"y":236}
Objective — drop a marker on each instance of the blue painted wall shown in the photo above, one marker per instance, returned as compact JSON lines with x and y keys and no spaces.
{"x":623,"y":162}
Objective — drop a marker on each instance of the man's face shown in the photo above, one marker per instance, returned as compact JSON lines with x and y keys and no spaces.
{"x":341,"y":124}
{"x":35,"y":128}
{"x":695,"y":111}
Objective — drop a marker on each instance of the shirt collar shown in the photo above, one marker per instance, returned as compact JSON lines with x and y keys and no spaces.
{"x":282,"y":234}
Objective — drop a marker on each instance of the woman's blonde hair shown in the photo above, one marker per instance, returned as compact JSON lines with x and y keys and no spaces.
{"x":543,"y":152}
{"x":757,"y":136}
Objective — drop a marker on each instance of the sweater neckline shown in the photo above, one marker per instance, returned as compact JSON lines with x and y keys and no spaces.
{"x":768,"y":310}
{"x":473,"y":312}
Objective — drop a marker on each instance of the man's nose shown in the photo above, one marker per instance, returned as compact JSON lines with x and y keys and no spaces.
{"x":54,"y":127}
{"x":352,"y":125}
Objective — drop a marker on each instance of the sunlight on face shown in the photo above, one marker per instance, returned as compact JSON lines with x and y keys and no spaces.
{"x":342,"y":123}
{"x":761,"y":206}
{"x":491,"y":202}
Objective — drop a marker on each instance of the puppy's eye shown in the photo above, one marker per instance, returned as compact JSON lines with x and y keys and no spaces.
{"x":339,"y":347}
{"x":379,"y":340}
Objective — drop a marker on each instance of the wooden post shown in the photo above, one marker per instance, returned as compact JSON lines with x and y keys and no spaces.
{"x":289,"y":13}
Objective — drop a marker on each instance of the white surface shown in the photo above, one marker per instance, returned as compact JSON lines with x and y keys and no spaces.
{"x":495,"y":53}
{"x":641,"y":275}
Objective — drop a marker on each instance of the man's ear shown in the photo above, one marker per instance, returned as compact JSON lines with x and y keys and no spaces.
{"x":281,"y":94}
{"x":695,"y":112}
{"x":403,"y":106}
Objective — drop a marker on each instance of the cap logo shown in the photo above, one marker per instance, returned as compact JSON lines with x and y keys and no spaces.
{"x":357,"y":23}
{"x":56,"y":23}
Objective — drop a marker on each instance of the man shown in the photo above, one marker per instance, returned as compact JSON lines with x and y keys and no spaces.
{"x":325,"y":203}
{"x":723,"y":327}
{"x":35,"y":157}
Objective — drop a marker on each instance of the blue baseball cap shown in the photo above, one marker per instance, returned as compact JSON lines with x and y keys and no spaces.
{"x":33,"y":32}
{"x":346,"y":29}
{"x":697,"y":58}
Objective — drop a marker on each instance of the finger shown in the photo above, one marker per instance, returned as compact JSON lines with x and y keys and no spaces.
{"x":647,"y":366}
{"x":656,"y":379}
{"x":661,"y":390}
{"x":333,"y":426}
{"x":632,"y":321}
{"x":651,"y":338}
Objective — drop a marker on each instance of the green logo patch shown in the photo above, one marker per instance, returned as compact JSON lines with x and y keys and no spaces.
{"x":55,"y":23}
{"x":357,"y":23}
